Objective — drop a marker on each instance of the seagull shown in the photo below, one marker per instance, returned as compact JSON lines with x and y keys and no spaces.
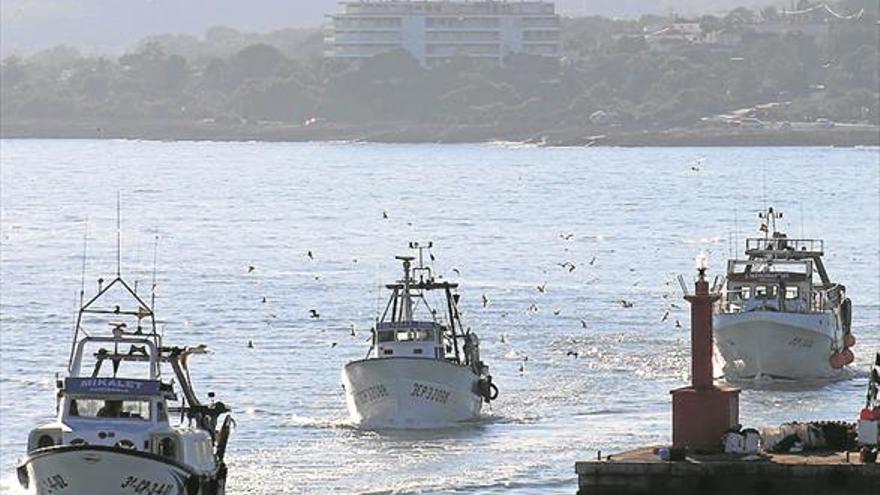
{"x":250,"y":344}
{"x":625,"y":303}
{"x":572,"y":353}
{"x":251,"y":268}
{"x":566,"y":237}
{"x":665,"y":315}
{"x":313,"y":314}
{"x":673,"y":305}
{"x":310,"y":255}
{"x":385,"y":214}
{"x":584,"y":323}
{"x":557,"y":311}
{"x":431,"y":255}
{"x":485,"y":300}
{"x":264,"y":299}
{"x":456,"y":271}
{"x":522,"y":368}
{"x":353,"y":330}
{"x":542,"y":288}
{"x":677,"y":324}
{"x":568,"y":265}
{"x":593,"y":261}
{"x":354,"y":260}
{"x":533,"y":307}
{"x":503,"y":338}
{"x":332,"y":345}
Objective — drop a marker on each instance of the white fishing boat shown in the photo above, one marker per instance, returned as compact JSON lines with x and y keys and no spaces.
{"x":420,"y":372}
{"x":114,"y":432}
{"x":780,"y":315}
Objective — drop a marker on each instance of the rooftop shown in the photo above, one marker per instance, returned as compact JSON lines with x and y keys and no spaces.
{"x":448,"y":7}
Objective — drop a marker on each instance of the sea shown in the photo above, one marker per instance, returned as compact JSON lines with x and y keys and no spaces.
{"x":226,"y":229}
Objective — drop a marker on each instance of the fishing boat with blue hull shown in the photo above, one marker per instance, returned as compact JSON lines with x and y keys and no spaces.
{"x":114,"y":432}
{"x":420,"y":372}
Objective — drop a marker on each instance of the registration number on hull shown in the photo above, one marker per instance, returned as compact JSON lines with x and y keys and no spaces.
{"x":801,"y":342}
{"x":428,"y":392}
{"x":371,"y":394}
{"x":133,"y":484}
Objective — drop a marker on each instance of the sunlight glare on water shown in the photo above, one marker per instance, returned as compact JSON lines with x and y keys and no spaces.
{"x":494,"y":212}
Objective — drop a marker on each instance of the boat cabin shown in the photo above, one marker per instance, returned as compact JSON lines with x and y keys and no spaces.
{"x":103,"y":408}
{"x":781,"y":274}
{"x":417,"y":339}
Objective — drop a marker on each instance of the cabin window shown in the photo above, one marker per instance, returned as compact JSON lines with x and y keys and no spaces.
{"x":387,"y":352}
{"x":168,"y":448}
{"x":415,"y":335}
{"x":791,"y":293}
{"x":110,"y":408}
{"x":746,"y":293}
{"x":161,"y":415}
{"x":764,"y":292}
{"x":417,"y":351}
{"x":386,"y":336}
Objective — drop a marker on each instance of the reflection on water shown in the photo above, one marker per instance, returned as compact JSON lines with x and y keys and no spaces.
{"x":578,"y":371}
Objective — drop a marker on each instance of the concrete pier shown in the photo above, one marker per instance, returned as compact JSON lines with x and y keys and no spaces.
{"x":641,"y":472}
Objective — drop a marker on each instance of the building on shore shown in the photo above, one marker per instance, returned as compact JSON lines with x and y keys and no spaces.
{"x":436,"y":30}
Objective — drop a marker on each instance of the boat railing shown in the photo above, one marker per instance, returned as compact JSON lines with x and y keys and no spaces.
{"x":745,"y":299}
{"x":404,"y":325}
{"x":759,"y":244}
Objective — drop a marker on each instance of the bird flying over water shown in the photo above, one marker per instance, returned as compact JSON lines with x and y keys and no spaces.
{"x":625,"y":303}
{"x":584,"y":323}
{"x":310,"y":255}
{"x":251,"y":268}
{"x":568,"y":265}
{"x":593,"y":261}
{"x":665,"y":315}
{"x":542,"y":288}
{"x":485,"y":300}
{"x":313,"y":314}
{"x":566,"y":237}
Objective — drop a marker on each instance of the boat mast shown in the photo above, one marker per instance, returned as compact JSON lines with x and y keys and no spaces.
{"x":406,"y":306}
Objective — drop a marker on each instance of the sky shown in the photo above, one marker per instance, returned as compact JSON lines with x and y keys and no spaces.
{"x":112,"y":26}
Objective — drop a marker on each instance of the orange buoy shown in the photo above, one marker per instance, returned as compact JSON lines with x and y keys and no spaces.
{"x":849,"y":340}
{"x":848,"y":356}
{"x":837,"y":361}
{"x":866,"y":414}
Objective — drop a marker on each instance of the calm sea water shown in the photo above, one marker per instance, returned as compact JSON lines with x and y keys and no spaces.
{"x":494,"y":212}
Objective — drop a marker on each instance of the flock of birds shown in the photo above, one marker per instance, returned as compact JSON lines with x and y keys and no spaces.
{"x":567,"y":265}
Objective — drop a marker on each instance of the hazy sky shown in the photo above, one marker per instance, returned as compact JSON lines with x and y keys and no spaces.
{"x":114,"y":25}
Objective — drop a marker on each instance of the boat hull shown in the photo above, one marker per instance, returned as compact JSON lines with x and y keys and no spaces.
{"x":94,"y":470}
{"x":410,"y":393}
{"x":775,"y":344}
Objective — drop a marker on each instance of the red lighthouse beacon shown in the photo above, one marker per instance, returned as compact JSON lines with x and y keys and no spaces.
{"x":703,"y":412}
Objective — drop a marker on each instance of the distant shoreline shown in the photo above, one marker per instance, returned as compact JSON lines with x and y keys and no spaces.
{"x":391,"y":132}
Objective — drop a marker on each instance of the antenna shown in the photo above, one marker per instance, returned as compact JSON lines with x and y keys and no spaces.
{"x":735,"y":228}
{"x":82,"y":283}
{"x":801,"y":204}
{"x":764,"y":185}
{"x":118,"y":236}
{"x":153,"y":286}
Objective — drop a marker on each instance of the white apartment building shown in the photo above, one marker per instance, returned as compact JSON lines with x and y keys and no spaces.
{"x":434,"y":30}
